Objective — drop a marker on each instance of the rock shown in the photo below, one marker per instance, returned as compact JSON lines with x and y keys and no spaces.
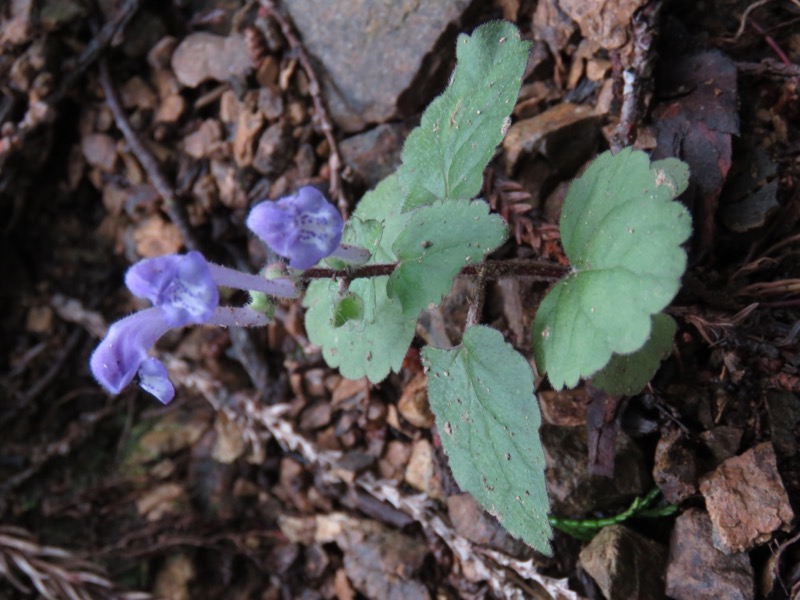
{"x":625,"y":565}
{"x":784,"y":423}
{"x":564,"y":134}
{"x":413,"y":403}
{"x":746,"y":500}
{"x":696,"y":570}
{"x":136,"y":93}
{"x":172,"y":580}
{"x":162,"y":500}
{"x":566,"y":407}
{"x":202,"y":56}
{"x":248,"y":129}
{"x":573,"y":492}
{"x":394,"y":461}
{"x":474,"y":524}
{"x":155,"y":237}
{"x":605,"y":23}
{"x":723,"y":442}
{"x":370,"y":51}
{"x":675,"y":469}
{"x":422,"y":472}
{"x":381,"y":562}
{"x":374,"y":154}
{"x":100,"y":150}
{"x":170,"y":109}
{"x":200,"y":142}
{"x":275,"y":149}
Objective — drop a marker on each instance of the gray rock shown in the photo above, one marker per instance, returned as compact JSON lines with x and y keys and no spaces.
{"x":625,"y":565}
{"x":573,"y":491}
{"x":370,"y":51}
{"x":698,"y":571}
{"x":374,"y":154}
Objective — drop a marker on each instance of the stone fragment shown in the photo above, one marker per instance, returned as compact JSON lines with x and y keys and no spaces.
{"x":136,"y":93}
{"x":170,"y":109}
{"x":722,"y":441}
{"x":199,"y":143}
{"x":248,"y":128}
{"x":161,"y":501}
{"x":605,"y":23}
{"x":413,"y":403}
{"x":675,"y":469}
{"x":275,"y":149}
{"x":100,"y":150}
{"x":393,"y":463}
{"x":746,"y":500}
{"x":270,"y":102}
{"x":202,"y":56}
{"x":371,"y":51}
{"x":155,"y":237}
{"x":422,"y":473}
{"x":573,"y":492}
{"x":374,"y":154}
{"x":625,"y":564}
{"x":474,"y":524}
{"x":565,"y":407}
{"x":696,"y":570}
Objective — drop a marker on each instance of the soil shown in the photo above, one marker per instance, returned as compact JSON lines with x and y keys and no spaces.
{"x":133,"y":129}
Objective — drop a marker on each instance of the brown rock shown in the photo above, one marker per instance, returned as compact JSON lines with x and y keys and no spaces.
{"x":675,"y":469}
{"x":746,"y":500}
{"x":275,"y":149}
{"x":171,"y":109}
{"x":155,"y":237}
{"x":696,"y":570}
{"x":625,"y":565}
{"x":605,"y":23}
{"x":413,"y":403}
{"x":202,"y":56}
{"x":394,"y":461}
{"x":722,"y":441}
{"x":199,"y":143}
{"x":566,"y":408}
{"x":422,"y":472}
{"x":270,"y":102}
{"x":248,"y":128}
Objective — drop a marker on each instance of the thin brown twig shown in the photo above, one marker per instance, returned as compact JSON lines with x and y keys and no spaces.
{"x":492,"y":269}
{"x":175,"y":210}
{"x":745,"y":15}
{"x":321,"y":112}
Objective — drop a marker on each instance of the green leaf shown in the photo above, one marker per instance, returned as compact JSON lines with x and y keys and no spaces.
{"x":376,"y":343}
{"x":622,"y":232}
{"x":627,"y":374}
{"x":488,"y":419}
{"x":437,"y":242}
{"x":444,"y":158}
{"x":349,"y":308}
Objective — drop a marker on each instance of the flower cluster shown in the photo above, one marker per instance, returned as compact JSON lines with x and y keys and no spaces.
{"x":183,"y":290}
{"x":303,"y":227}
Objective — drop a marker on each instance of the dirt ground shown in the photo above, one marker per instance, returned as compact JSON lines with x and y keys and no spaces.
{"x":133,"y":129}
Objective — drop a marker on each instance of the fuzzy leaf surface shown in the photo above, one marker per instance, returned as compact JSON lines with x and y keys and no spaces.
{"x":444,"y":158}
{"x":488,"y":419}
{"x":622,"y":231}
{"x":437,"y":242}
{"x":627,"y":374}
{"x":375,"y":342}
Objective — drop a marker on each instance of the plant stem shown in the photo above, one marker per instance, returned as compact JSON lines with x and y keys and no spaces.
{"x":493,"y":269}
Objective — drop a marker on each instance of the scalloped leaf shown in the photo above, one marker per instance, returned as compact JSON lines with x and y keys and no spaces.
{"x":445,"y":156}
{"x":488,"y":420}
{"x":376,"y":343}
{"x":622,"y":232}
{"x":628,"y":374}
{"x":437,"y":242}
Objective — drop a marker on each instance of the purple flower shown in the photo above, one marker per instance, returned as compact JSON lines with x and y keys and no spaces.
{"x":181,"y":285}
{"x":303,"y":227}
{"x":118,"y":358}
{"x":183,"y":290}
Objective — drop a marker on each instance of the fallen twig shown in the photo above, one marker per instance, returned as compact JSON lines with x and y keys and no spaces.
{"x":175,"y":210}
{"x":320,"y":110}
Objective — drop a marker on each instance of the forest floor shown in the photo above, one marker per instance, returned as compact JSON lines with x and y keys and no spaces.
{"x":133,"y":129}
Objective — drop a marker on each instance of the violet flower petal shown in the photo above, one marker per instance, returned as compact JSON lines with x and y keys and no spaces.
{"x":116,"y":360}
{"x":181,"y":285}
{"x":154,"y":379}
{"x":303,"y":227}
